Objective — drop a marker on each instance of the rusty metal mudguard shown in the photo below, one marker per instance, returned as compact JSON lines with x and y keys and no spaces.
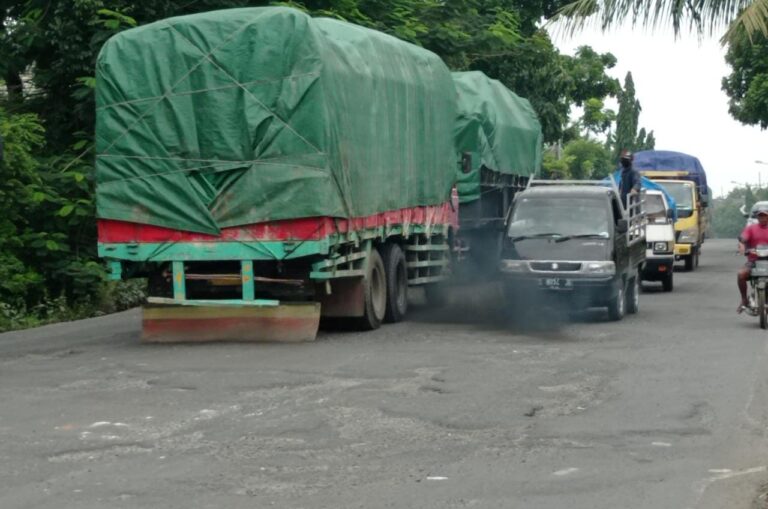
{"x":175,"y":323}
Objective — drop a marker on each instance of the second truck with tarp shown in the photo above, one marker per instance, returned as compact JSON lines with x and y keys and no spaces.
{"x":499,"y":140}
{"x":263,"y":168}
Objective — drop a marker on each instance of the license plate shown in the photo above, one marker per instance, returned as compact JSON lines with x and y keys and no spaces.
{"x":556,"y":283}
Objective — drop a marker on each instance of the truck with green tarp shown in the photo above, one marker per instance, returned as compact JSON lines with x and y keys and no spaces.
{"x":499,"y":140}
{"x":263,"y":168}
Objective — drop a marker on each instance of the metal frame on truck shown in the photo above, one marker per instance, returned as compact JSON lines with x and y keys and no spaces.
{"x":288,"y":272}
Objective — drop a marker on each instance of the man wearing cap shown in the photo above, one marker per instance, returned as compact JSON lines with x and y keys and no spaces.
{"x":753,"y":235}
{"x":629,"y":182}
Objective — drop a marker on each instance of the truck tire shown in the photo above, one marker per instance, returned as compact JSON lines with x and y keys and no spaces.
{"x":691,"y":262}
{"x":617,"y":305}
{"x":397,"y":283}
{"x":375,"y":294}
{"x":668,"y":283}
{"x":633,"y":295}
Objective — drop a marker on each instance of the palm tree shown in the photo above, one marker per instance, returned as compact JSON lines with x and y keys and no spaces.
{"x":703,"y":16}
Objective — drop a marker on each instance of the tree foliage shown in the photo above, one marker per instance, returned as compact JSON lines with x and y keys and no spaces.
{"x":747,"y":85}
{"x":627,"y":136}
{"x":745,"y":22}
{"x":581,"y":158}
{"x":727,"y":220}
{"x":596,"y":119}
{"x":20,"y":190}
{"x":553,"y":82}
{"x":736,"y":17}
{"x":588,"y":159}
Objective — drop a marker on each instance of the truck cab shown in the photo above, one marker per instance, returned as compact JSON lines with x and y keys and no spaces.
{"x":572,"y":244}
{"x":660,"y":240}
{"x":691,"y":224}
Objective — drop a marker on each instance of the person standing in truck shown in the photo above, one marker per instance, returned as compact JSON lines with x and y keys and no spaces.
{"x":752,"y":236}
{"x":629,"y":182}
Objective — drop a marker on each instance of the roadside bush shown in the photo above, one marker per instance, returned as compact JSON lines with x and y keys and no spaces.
{"x":48,"y":266}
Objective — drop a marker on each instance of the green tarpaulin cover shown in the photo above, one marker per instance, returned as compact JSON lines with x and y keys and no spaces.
{"x":499,"y":129}
{"x":245,"y":115}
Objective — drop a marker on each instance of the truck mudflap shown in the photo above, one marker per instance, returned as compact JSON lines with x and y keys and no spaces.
{"x":170,"y":321}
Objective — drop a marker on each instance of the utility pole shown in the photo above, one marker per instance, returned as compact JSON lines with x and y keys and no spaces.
{"x":760,"y":174}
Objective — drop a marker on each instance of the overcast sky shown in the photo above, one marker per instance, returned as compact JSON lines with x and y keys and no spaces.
{"x":678,"y":85}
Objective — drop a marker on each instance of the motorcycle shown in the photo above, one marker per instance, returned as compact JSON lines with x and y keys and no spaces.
{"x":758,"y":285}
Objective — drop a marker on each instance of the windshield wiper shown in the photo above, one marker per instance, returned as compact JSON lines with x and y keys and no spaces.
{"x":536,"y":236}
{"x":583,"y":236}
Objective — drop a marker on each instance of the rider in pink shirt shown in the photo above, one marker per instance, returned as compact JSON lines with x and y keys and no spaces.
{"x":753,"y":235}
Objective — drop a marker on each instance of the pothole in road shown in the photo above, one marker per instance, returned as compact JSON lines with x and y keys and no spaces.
{"x":533,"y":411}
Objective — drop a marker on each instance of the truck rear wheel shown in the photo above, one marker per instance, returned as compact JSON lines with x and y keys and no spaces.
{"x":617,"y":305}
{"x":397,"y":283}
{"x":668,"y":282}
{"x":633,"y":295}
{"x":374,"y":293}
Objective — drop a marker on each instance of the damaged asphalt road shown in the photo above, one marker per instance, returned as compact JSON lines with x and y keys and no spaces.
{"x":666,"y":409}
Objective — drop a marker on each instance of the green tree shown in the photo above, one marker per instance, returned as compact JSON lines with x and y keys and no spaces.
{"x":587,"y":159}
{"x":747,"y":85}
{"x":596,"y":119}
{"x":748,"y":17}
{"x":20,"y":192}
{"x":627,"y":136}
{"x":727,"y":220}
{"x":645,"y":141}
{"x":554,"y":167}
{"x":586,"y":71}
{"x":552,"y":82}
{"x":627,"y":118}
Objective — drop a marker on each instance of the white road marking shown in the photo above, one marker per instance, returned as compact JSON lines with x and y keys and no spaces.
{"x":730,"y":474}
{"x":703,"y":485}
{"x":566,"y":471}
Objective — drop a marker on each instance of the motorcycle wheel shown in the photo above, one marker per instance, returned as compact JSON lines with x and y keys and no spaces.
{"x":761,"y":311}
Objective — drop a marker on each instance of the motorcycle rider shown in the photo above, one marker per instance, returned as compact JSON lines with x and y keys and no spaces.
{"x":752,"y":236}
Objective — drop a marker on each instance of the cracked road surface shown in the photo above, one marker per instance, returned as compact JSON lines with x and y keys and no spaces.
{"x":667,"y":409}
